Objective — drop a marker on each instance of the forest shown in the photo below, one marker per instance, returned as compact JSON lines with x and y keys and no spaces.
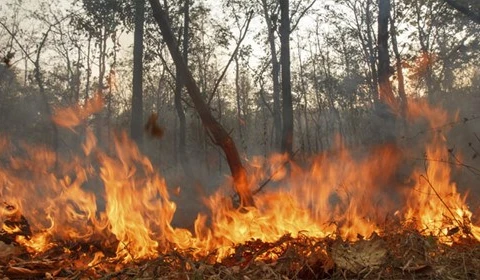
{"x":231,"y":131}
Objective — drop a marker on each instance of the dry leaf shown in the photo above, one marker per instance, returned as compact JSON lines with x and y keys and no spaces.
{"x":152,"y":128}
{"x":360,"y":255}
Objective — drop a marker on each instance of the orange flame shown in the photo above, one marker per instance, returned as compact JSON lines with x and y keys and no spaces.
{"x":75,"y":115}
{"x":348,"y":197}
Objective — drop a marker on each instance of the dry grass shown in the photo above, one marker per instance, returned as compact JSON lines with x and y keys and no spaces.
{"x":398,"y":255}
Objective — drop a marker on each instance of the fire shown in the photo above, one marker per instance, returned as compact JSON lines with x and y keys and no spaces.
{"x":75,"y":115}
{"x":350,"y":197}
{"x":434,"y":205}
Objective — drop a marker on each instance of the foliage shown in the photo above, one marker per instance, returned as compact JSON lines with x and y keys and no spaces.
{"x":333,"y":51}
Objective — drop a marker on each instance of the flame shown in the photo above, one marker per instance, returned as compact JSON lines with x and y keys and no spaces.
{"x":422,"y":64}
{"x":349,"y":197}
{"x":75,"y":115}
{"x":435,"y":205}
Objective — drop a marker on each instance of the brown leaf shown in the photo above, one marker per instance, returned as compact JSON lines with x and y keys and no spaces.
{"x":152,"y":128}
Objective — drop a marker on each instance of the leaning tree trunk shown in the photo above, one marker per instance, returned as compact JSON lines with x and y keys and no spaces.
{"x":217,"y":132}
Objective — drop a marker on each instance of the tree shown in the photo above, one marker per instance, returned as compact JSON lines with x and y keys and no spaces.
{"x":398,"y":60}
{"x":287,"y":113}
{"x":464,"y":9}
{"x":35,"y":58}
{"x":218,"y":133}
{"x":136,"y":123}
{"x":179,"y":84}
{"x":271,"y":19}
{"x":101,"y":21}
{"x":384,"y":87}
{"x":355,"y":19}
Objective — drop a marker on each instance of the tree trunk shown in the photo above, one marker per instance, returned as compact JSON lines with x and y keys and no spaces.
{"x":371,"y":50}
{"x":399,"y":68}
{"x":424,"y":32}
{"x":218,"y":133}
{"x":304,"y":95}
{"x":89,"y":68}
{"x":136,"y":123}
{"x":287,"y":133}
{"x":385,"y":91}
{"x":102,"y":57}
{"x":240,"y":118}
{"x":475,"y":17}
{"x":386,"y":105}
{"x":78,"y":73}
{"x":179,"y":83}
{"x":43,"y":94}
{"x":277,"y":117}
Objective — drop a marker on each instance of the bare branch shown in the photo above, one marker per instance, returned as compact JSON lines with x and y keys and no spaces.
{"x":242,"y":36}
{"x":302,"y":13}
{"x":464,"y":10}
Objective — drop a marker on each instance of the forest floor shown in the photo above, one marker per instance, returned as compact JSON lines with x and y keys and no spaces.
{"x":395,"y":255}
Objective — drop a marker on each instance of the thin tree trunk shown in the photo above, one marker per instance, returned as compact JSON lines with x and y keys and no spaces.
{"x":371,"y":49}
{"x":329,"y":91}
{"x":102,"y":58}
{"x":304,"y":95}
{"x":217,"y":132}
{"x":238,"y":99}
{"x":423,"y":37}
{"x":100,"y":118}
{"x":318,"y":100}
{"x":89,"y":68}
{"x":399,"y":68}
{"x":277,"y":116}
{"x":78,"y":75}
{"x":182,"y":144}
{"x":43,"y":94}
{"x":136,"y":123}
